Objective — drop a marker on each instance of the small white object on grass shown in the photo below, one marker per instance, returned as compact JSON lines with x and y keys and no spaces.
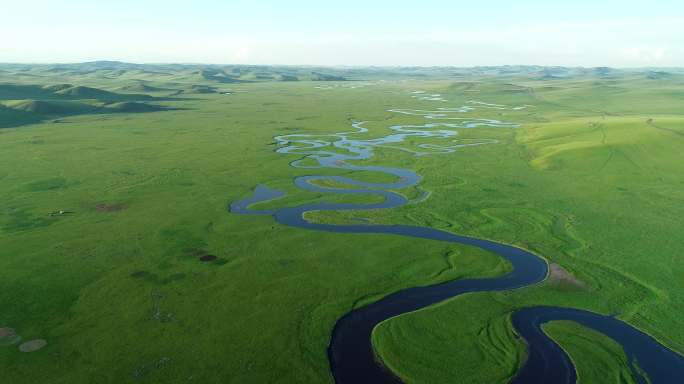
{"x":32,"y":345}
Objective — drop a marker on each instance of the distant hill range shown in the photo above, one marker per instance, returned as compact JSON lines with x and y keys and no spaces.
{"x":224,"y":74}
{"x":232,"y":74}
{"x":33,"y":93}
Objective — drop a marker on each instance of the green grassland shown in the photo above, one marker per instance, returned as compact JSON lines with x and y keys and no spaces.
{"x":145,"y":159}
{"x":600,"y":355}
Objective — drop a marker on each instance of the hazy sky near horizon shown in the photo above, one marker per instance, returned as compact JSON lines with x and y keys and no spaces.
{"x":351,"y":32}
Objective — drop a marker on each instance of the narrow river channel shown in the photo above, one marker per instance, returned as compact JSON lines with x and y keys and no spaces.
{"x":351,"y":355}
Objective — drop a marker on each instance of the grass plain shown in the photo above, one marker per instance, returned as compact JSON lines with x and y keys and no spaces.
{"x":144,"y":162}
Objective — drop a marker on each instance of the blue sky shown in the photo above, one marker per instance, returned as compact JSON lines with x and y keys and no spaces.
{"x":352,"y":32}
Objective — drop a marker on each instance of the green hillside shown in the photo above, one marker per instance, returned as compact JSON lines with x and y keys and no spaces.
{"x":51,"y":107}
{"x":133,"y":107}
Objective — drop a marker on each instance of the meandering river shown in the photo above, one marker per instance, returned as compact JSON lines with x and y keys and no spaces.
{"x":351,"y":355}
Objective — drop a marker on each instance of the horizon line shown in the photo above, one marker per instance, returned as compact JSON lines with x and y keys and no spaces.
{"x":334,"y":65}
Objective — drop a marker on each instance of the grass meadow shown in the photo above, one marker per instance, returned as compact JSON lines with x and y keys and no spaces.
{"x":591,"y":181}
